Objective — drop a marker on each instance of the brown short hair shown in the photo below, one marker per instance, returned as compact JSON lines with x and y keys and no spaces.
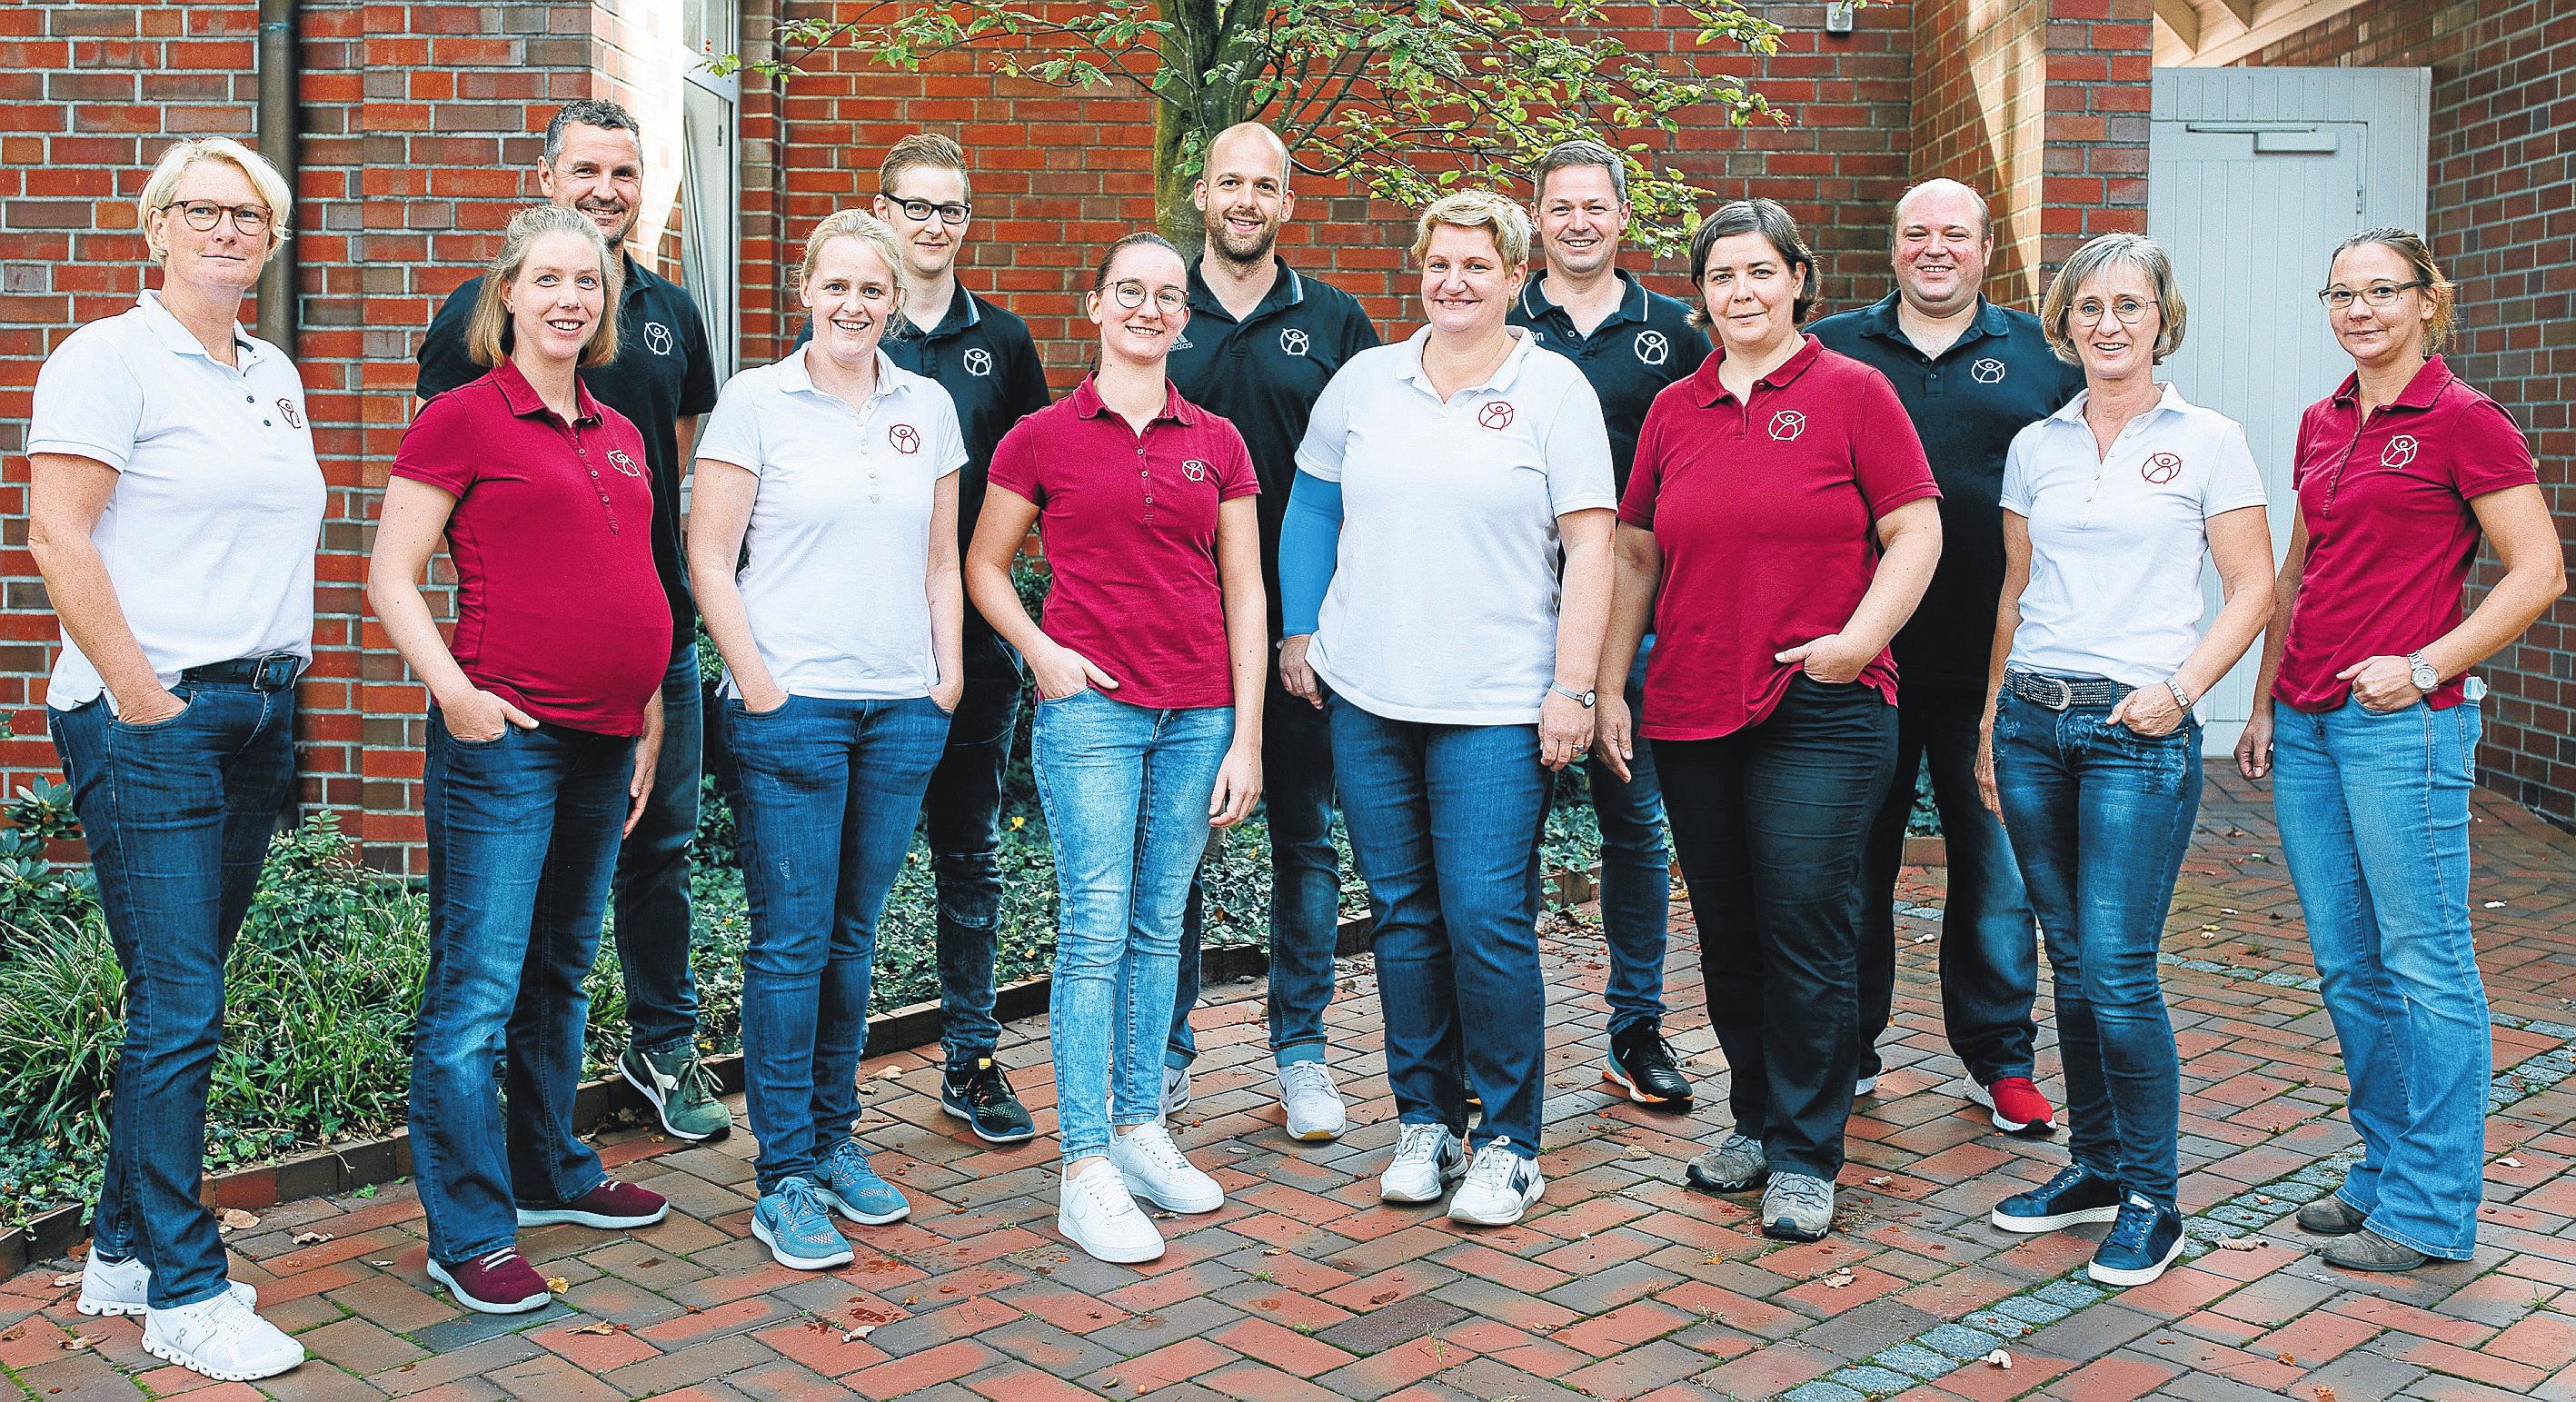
{"x":1754,"y":216}
{"x":2410,"y":245}
{"x":2115,"y":250}
{"x":487,"y":331}
{"x":923,"y":148}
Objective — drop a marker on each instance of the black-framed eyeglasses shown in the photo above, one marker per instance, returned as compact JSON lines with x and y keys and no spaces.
{"x":919,"y":211}
{"x":2378,"y":294}
{"x":204,"y":215}
{"x":2127,"y":311}
{"x":1131,"y":295}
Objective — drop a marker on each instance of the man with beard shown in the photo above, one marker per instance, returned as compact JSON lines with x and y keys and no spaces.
{"x":1262,"y":341}
{"x":663,"y":379}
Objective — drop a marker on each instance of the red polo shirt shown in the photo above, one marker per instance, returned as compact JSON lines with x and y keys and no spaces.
{"x":1767,"y":514}
{"x":559,"y":609}
{"x":2390,"y":533}
{"x":1129,"y":525}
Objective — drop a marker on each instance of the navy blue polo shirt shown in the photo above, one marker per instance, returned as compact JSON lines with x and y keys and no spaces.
{"x":664,"y":372}
{"x":1263,"y":374}
{"x":1966,"y":403}
{"x":1638,"y":349}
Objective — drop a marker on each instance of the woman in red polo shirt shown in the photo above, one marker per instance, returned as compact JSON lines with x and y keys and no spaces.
{"x":544,"y":723}
{"x":2366,"y":707}
{"x":1150,"y":673}
{"x":1782,"y":506}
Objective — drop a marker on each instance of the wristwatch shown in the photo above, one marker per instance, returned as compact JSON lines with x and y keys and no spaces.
{"x":1580,"y":698}
{"x":2422,"y":673}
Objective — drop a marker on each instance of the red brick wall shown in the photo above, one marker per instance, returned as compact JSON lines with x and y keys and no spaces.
{"x":2503,"y":215}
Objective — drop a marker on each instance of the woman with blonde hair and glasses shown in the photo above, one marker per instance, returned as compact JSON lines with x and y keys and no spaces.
{"x":174,"y":504}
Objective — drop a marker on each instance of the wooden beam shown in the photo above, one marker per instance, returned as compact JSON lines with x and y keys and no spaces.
{"x":2183,"y":18}
{"x":2242,"y":9}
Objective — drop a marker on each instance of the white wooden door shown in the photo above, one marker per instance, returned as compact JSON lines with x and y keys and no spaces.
{"x":2254,"y":175}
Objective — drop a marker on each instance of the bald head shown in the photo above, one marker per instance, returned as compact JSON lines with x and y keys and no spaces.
{"x":1250,"y":147}
{"x":1946,"y":199}
{"x":1242,"y":193}
{"x":1940,"y":245}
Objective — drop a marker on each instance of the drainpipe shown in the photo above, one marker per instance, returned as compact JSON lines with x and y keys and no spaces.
{"x":277,"y":113}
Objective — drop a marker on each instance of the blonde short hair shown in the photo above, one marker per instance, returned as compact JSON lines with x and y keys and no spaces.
{"x":163,"y":184}
{"x":2109,"y":251}
{"x":487,"y":331}
{"x":1476,"y":209}
{"x":852,"y":224}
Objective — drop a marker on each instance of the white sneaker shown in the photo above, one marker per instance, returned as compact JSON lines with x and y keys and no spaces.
{"x":1154,"y":1168}
{"x":1095,"y":1213}
{"x":125,"y":1287}
{"x":221,"y":1338}
{"x":1864,"y":1088}
{"x":1500,"y":1187}
{"x":1428,"y":1158}
{"x":1313,"y":1103}
{"x":1176,"y":1090}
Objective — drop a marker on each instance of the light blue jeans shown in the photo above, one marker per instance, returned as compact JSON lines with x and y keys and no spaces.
{"x":1125,"y":789}
{"x":2374,"y":815}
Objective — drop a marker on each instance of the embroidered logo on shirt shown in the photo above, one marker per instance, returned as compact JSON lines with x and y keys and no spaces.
{"x":1194,"y":470}
{"x":1496,"y":415}
{"x":905,"y":438}
{"x":1181,"y":342}
{"x":1787,"y":425}
{"x":2160,"y":468}
{"x":1986,"y":371}
{"x":1293,"y":341}
{"x":1652,"y":348}
{"x":979,"y":361}
{"x":2400,"y":451}
{"x":286,"y":411}
{"x":617,"y":459}
{"x":657,"y":338}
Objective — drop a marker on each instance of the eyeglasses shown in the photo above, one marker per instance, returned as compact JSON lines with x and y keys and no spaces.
{"x":2378,"y":294}
{"x":2127,"y":311}
{"x":204,"y":215}
{"x":919,"y":211}
{"x":1131,"y":295}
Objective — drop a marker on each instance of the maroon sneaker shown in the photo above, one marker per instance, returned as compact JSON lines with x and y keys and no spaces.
{"x":611,"y":1206}
{"x":2017,"y":1106}
{"x":497,"y":1282}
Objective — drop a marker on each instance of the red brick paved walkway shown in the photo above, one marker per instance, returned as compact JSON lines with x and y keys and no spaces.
{"x":1623,"y":1285}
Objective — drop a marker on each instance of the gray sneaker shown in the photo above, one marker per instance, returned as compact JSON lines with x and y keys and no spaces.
{"x":1797,"y":1207}
{"x":2366,"y":1250}
{"x":1736,"y":1165}
{"x":2331,"y":1216}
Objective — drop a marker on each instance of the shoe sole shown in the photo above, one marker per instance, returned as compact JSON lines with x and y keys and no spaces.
{"x":2379,"y":1267}
{"x":1318,"y":1136}
{"x":1064,"y":1228}
{"x":955,"y":1113}
{"x":841,"y":1205}
{"x":1528,"y":1201}
{"x":1438,"y":1191}
{"x":654,"y":1098}
{"x":2024,"y":1129}
{"x":1783,"y":1230}
{"x":1138,"y":1187}
{"x":1638,"y":1095}
{"x":168,"y":1354}
{"x":537,"y":1301}
{"x":1692,"y":1177}
{"x":558,"y":1216}
{"x":115,"y":1309}
{"x":2059,"y":1221}
{"x":2106,"y":1275}
{"x":799,"y":1263}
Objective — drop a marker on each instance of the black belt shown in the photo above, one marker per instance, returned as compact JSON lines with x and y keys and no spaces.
{"x":2064,"y":693}
{"x":275,"y":672}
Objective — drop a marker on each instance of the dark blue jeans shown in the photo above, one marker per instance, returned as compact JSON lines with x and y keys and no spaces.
{"x":963,"y":811}
{"x":1989,"y":944}
{"x":1636,"y":870}
{"x":178,"y":816}
{"x":1769,"y":823}
{"x":2100,"y":817}
{"x":826,"y":792}
{"x":523,"y":834}
{"x":1305,"y":886}
{"x":1445,"y":823}
{"x":652,"y":886}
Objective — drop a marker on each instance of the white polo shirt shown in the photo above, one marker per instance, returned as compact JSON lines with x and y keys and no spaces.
{"x":1443,"y":603}
{"x":210,"y":533}
{"x":836,"y":580}
{"x":2117,"y":540}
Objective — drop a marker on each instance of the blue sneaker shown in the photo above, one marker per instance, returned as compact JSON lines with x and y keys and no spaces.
{"x":791,"y":1222}
{"x":2075,"y":1195}
{"x":854,"y":1190}
{"x":2144,"y":1241}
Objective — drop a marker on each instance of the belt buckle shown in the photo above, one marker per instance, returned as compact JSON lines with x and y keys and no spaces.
{"x":2065,"y":692}
{"x":275,"y":672}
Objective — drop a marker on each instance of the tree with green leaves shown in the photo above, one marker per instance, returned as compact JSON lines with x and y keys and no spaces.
{"x":1406,"y":97}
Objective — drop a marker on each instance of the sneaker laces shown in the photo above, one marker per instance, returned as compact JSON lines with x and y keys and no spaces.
{"x":1419,"y":1143}
{"x":2136,"y":1222}
{"x":1156,"y":1143}
{"x":2066,"y":1179}
{"x":491,"y":1260}
{"x":1493,"y":1168}
{"x":694,"y":1075}
{"x":1650,"y":1052}
{"x":1306,"y":1077}
{"x":1801,"y":1191}
{"x":981,"y":1084}
{"x":1108,"y":1192}
{"x":797,"y":1199}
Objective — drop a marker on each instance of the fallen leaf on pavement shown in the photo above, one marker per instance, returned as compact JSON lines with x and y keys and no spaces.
{"x":77,"y":1342}
{"x":1880,"y":1181}
{"x":2509,"y":1161}
{"x":2325,"y":1393}
{"x":2287,"y":1360}
{"x":601,"y":1327}
{"x":851,"y":1336}
{"x":311,"y":1238}
{"x":1636,"y":1151}
{"x":2239,"y":1243}
{"x":1925,"y":939}
{"x":236,"y":1220}
{"x":2000,"y":1359}
{"x":1839,"y":1279}
{"x":558,"y":1284}
{"x":62,"y":1280}
{"x":891,"y":1073}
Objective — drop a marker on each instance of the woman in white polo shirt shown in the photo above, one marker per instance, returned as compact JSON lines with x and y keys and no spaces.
{"x":2091,"y":752}
{"x":830,"y":480}
{"x":174,"y":504}
{"x":1445,"y":573}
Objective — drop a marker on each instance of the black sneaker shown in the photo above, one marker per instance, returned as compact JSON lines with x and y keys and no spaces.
{"x":2144,"y":1241}
{"x":2076,"y":1194}
{"x":1642,"y":1065}
{"x":977,"y":1093}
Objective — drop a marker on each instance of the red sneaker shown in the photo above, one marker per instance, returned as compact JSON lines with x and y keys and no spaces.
{"x":2018,"y":1107}
{"x":612,"y":1206}
{"x":497,"y":1282}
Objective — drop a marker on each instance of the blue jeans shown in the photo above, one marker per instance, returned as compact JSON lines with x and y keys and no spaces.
{"x":1636,"y":870}
{"x":178,"y":816}
{"x":1768,"y":823}
{"x":827,"y":792}
{"x":1305,"y":886}
{"x":963,"y":814}
{"x":1126,"y":792}
{"x":1445,"y":823}
{"x":1989,"y":945}
{"x":652,"y":885}
{"x":2374,"y":812}
{"x":523,"y":834}
{"x":2100,"y":818}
